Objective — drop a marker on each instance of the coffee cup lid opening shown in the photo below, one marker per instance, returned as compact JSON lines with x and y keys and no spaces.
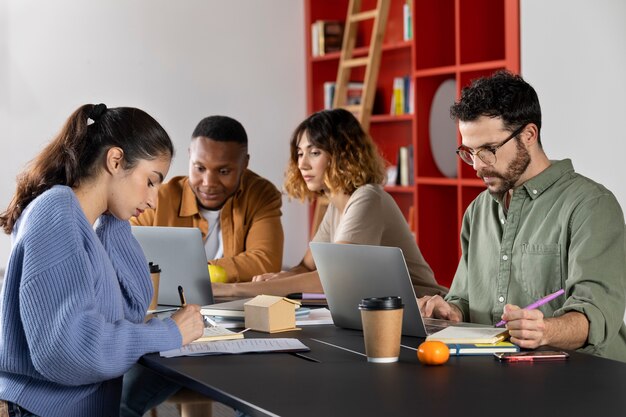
{"x":381,"y":303}
{"x":154,"y":268}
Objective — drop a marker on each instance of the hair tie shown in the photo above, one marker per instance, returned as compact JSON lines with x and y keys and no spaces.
{"x":96,"y":113}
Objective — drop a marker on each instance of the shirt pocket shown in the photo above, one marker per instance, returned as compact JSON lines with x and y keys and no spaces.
{"x":541,"y":269}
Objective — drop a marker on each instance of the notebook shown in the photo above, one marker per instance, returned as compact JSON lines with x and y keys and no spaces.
{"x":230,"y":309}
{"x":454,"y":334}
{"x":179,"y":252}
{"x":476,"y":349}
{"x":349,"y":273}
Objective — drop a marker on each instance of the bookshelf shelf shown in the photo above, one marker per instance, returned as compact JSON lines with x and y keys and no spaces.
{"x":362,"y":51}
{"x":388,"y":118}
{"x":457,"y":40}
{"x":453,"y":182}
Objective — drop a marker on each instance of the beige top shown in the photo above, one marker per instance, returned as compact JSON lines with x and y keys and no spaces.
{"x":372,"y":217}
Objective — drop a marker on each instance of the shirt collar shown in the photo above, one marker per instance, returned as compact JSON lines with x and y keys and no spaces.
{"x":544,"y":180}
{"x":539,"y":183}
{"x":189,"y":203}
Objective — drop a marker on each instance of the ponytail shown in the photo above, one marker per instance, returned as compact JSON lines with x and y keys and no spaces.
{"x":73,"y":155}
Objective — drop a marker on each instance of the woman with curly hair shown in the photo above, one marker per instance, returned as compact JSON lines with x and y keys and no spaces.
{"x":331,"y":155}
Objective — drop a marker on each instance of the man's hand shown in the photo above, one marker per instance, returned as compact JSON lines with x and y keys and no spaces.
{"x":529,"y":329}
{"x":435,"y":306}
{"x":526,"y":327}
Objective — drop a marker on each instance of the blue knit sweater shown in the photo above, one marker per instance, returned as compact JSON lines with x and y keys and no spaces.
{"x":72,"y":310}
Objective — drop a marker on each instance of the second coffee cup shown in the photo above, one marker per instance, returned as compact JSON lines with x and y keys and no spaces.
{"x":155,"y":276}
{"x":382,"y":328}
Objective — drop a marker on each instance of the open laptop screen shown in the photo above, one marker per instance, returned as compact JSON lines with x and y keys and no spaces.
{"x":179,"y":252}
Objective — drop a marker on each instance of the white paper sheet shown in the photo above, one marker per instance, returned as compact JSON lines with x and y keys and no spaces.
{"x":222,"y":347}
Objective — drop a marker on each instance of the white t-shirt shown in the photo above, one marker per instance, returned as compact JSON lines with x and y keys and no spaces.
{"x":213,"y":245}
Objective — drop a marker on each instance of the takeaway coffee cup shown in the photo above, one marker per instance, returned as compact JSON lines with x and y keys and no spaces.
{"x":155,"y":276}
{"x":382,"y":328}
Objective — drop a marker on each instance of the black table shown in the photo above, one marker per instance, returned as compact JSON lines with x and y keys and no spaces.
{"x":343,"y":383}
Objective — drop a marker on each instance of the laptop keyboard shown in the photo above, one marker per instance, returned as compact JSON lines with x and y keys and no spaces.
{"x":434,"y":325}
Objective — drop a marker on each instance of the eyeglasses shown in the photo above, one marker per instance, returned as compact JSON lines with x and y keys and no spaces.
{"x":487,"y":154}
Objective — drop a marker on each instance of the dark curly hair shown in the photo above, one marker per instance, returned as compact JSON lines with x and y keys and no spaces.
{"x":503,"y":94}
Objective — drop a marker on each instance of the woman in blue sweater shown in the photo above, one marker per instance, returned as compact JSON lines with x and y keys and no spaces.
{"x":74,"y":298}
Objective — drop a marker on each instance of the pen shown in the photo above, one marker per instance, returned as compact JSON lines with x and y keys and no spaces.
{"x":307,"y":358}
{"x":306,"y":296}
{"x":181,"y":294}
{"x":537,"y":303}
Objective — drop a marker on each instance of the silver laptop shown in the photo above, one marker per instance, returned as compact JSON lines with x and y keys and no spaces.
{"x":179,"y":252}
{"x":350,"y":273}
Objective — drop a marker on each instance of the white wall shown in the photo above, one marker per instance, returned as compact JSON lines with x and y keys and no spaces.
{"x":179,"y":61}
{"x":574,"y":53}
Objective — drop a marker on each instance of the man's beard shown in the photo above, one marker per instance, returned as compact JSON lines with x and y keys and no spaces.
{"x":516,"y":168}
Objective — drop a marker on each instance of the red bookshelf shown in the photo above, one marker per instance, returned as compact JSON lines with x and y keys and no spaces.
{"x":456,"y":40}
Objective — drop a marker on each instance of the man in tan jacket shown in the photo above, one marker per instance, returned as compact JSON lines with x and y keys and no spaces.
{"x":237,"y":211}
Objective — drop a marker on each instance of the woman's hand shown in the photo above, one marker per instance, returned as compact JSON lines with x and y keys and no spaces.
{"x":222,"y":289}
{"x":189,"y":322}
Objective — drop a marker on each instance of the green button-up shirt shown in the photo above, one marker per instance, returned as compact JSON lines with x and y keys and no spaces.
{"x":561,"y":230}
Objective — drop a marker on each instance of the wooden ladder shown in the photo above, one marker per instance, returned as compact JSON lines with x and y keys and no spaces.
{"x":371,"y":61}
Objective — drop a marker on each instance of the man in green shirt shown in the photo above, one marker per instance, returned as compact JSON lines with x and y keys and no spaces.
{"x":538,"y":227}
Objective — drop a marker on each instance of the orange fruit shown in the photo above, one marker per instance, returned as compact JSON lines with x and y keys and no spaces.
{"x":433,"y":353}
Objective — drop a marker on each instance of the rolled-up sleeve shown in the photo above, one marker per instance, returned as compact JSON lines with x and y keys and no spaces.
{"x":596,"y":280}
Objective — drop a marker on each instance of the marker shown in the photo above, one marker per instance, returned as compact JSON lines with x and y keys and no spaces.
{"x":306,"y":296}
{"x":305,"y":357}
{"x":181,"y":294}
{"x":537,"y":303}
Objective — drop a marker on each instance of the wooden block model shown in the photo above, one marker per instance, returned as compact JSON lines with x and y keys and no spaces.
{"x":268,"y":313}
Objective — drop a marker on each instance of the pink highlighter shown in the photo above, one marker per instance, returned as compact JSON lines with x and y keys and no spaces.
{"x":537,"y":303}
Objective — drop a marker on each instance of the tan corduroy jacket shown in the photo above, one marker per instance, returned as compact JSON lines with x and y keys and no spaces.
{"x":252,"y":232}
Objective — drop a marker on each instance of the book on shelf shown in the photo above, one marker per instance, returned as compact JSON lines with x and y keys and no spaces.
{"x":392,"y":175}
{"x":354,"y":92}
{"x":411,"y":165}
{"x":470,"y":349}
{"x":468,"y":334}
{"x":407,"y":21}
{"x":326,"y":36}
{"x":402,"y":96}
{"x":405,"y":171}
